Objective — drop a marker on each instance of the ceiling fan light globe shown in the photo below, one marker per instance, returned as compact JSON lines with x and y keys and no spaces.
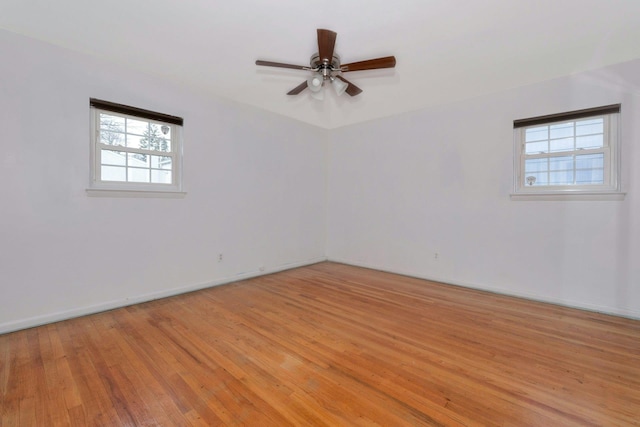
{"x":315,"y":83}
{"x":339,"y":86}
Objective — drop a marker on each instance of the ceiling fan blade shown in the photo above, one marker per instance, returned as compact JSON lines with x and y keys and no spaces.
{"x":280,"y":65}
{"x":296,"y":90}
{"x":352,"y":89}
{"x":326,"y":43}
{"x":370,"y":64}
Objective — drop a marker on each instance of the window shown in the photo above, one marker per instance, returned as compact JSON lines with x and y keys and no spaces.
{"x":568,"y":154}
{"x":134,"y":150}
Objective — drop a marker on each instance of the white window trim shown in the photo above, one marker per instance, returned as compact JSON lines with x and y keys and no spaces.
{"x":611,"y":191}
{"x":99,"y":188}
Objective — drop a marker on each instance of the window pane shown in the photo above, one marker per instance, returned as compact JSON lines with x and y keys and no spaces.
{"x":590,"y":161}
{"x":591,"y":141}
{"x":593,"y":176}
{"x":591,"y":126}
{"x":166,"y":163}
{"x":152,"y":141}
{"x":138,"y":175}
{"x":537,"y":147}
{"x":111,"y":123}
{"x":165,"y":145}
{"x":113,"y":173}
{"x":137,"y":126}
{"x":533,"y":179}
{"x":163,"y":130}
{"x":149,"y":141}
{"x":160,"y":176}
{"x":536,"y":165}
{"x":561,"y":130}
{"x":110,"y":157}
{"x":133,"y":141}
{"x":565,"y":144}
{"x":561,"y":163}
{"x":161,"y":162}
{"x":537,"y":134}
{"x":561,"y":178}
{"x":137,"y":160}
{"x":111,"y":138}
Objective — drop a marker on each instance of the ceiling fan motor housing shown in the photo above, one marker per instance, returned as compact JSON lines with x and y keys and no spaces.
{"x":324,"y":67}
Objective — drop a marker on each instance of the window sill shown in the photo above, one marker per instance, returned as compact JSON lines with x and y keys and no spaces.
{"x":143,"y":194}
{"x":567,"y":195}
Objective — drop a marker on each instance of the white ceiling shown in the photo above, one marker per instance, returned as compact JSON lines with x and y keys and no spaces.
{"x":446,"y":50}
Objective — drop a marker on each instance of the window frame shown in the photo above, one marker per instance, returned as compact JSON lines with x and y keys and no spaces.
{"x":99,"y":187}
{"x":609,"y":190}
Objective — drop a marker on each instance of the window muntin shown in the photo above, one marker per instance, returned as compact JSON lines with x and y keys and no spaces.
{"x":577,"y":154}
{"x":130,"y":152}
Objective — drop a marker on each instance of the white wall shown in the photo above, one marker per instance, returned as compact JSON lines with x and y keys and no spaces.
{"x":255,"y":184}
{"x":438,"y":181}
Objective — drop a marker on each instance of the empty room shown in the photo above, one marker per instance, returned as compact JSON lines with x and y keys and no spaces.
{"x":409,"y":213}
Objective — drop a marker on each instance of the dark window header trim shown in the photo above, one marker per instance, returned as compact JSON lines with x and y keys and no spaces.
{"x":133,"y":111}
{"x":571,"y":115}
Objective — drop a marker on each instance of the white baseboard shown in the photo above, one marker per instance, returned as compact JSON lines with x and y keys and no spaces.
{"x":110,"y":305}
{"x":529,"y":296}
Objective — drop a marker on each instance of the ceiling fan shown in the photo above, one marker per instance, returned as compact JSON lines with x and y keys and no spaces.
{"x":326,"y":67}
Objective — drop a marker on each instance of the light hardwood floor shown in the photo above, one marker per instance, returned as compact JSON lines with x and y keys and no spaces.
{"x":327,"y":344}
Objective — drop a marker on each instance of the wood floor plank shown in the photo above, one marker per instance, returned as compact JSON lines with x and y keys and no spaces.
{"x":278,"y":361}
{"x":326,"y":345}
{"x":409,"y":381}
{"x":127,"y":359}
{"x":95,"y":400}
{"x":335,"y":351}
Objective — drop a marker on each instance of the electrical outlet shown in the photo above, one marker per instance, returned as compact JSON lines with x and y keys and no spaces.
{"x":436,"y":255}
{"x":220,"y":257}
